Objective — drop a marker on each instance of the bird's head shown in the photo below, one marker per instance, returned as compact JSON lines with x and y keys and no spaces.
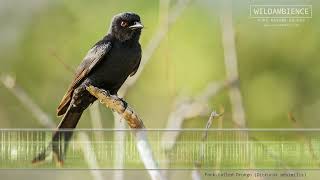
{"x":126,"y":26}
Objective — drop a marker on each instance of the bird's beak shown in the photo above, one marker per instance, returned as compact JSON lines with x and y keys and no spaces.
{"x":137,"y":25}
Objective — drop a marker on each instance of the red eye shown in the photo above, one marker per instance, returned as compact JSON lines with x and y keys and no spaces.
{"x":124,"y":23}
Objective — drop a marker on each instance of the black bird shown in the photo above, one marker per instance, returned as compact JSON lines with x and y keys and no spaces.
{"x":107,"y":65}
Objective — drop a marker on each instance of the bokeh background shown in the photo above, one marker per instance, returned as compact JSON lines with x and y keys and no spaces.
{"x":279,"y":67}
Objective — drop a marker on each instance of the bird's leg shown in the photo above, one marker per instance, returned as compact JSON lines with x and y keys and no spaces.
{"x":125,"y":104}
{"x":120,"y":101}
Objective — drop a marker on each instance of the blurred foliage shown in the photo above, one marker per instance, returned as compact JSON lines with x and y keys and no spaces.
{"x":278,"y":66}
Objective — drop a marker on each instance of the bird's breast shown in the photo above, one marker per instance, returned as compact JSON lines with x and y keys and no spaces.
{"x":116,"y":66}
{"x":123,"y":59}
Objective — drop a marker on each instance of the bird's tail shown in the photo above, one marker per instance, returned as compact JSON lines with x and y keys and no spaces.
{"x":61,"y":137}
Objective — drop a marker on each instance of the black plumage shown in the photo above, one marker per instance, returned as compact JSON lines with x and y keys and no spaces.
{"x":107,"y":65}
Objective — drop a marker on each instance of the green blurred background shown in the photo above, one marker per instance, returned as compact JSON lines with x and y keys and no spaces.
{"x":279,"y":67}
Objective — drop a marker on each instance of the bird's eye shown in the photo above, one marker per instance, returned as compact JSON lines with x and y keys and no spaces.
{"x":123,"y":23}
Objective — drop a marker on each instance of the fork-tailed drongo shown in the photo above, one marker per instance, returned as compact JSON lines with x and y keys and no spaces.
{"x":107,"y":65}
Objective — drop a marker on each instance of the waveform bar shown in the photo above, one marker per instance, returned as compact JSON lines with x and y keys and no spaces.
{"x":221,"y":149}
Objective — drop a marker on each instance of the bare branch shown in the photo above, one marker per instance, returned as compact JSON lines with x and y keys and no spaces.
{"x":186,"y":109}
{"x":96,"y":120}
{"x":42,"y":117}
{"x":10,"y":83}
{"x":118,"y":105}
{"x":195,"y":173}
{"x":148,"y":51}
{"x":213,"y":115}
{"x":119,"y":137}
{"x":134,"y":121}
{"x":90,"y":156}
{"x":232,"y":72}
{"x":61,"y":61}
{"x":219,"y":152}
{"x":231,"y":64}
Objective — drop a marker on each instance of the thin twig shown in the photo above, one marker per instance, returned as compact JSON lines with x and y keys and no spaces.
{"x":61,"y":61}
{"x":189,"y":108}
{"x":213,"y":116}
{"x":89,"y":155}
{"x":304,"y":138}
{"x":96,"y":120}
{"x":219,"y":151}
{"x":195,"y":173}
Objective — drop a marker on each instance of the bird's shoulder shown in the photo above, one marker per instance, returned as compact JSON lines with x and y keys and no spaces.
{"x":108,"y":39}
{"x":92,"y":58}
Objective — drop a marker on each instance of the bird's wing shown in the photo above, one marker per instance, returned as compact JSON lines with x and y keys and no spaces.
{"x":93,"y":57}
{"x":136,"y":67}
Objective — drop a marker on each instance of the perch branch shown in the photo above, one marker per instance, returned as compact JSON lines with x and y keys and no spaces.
{"x":134,"y":121}
{"x":148,"y":51}
{"x":118,"y":105}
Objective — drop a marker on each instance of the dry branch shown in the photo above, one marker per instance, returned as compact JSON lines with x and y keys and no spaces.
{"x":96,"y":120}
{"x":119,"y":137}
{"x":10,"y":83}
{"x":231,"y":63}
{"x":213,"y":116}
{"x":232,"y":72}
{"x":90,"y":156}
{"x":126,"y":112}
{"x":44,"y":119}
{"x":117,"y":104}
{"x":195,"y":173}
{"x":148,"y":51}
{"x":187,"y":108}
{"x":219,"y":152}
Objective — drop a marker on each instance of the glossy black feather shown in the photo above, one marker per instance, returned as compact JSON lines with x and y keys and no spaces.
{"x":107,"y":65}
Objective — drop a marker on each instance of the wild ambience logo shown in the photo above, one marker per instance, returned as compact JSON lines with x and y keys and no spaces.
{"x":281,"y":15}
